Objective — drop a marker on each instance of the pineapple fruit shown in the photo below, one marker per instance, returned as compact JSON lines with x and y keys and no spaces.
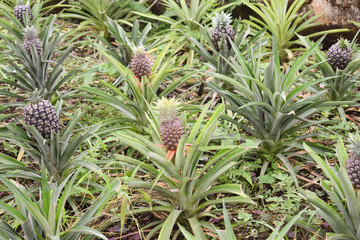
{"x":339,"y":54}
{"x":41,"y":114}
{"x":19,"y":11}
{"x":141,"y":62}
{"x":171,"y":129}
{"x":222,"y":29}
{"x":353,"y":163}
{"x":31,"y":39}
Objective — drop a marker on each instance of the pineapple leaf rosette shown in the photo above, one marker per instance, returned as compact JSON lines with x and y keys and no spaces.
{"x":226,"y":234}
{"x":18,"y":17}
{"x":41,"y":212}
{"x":125,"y":44}
{"x":216,"y":48}
{"x":20,"y":14}
{"x":340,"y":69}
{"x":184,"y":187}
{"x":342,"y":187}
{"x":43,"y":140}
{"x":186,"y":21}
{"x":39,"y":68}
{"x":93,"y":15}
{"x":143,"y":74}
{"x":283,"y":20}
{"x":267,"y":98}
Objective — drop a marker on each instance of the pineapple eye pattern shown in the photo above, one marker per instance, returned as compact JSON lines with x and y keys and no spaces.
{"x":20,"y":10}
{"x":43,"y":117}
{"x":339,"y":54}
{"x":353,"y":163}
{"x":141,"y":63}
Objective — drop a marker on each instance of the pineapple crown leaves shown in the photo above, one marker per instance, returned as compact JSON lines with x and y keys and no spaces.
{"x":139,"y":49}
{"x":20,"y":2}
{"x":221,"y":20}
{"x":35,"y":96}
{"x":167,"y":108}
{"x":30,"y":32}
{"x":343,"y":44}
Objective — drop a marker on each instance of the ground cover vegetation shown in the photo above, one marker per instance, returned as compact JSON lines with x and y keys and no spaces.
{"x":117,"y":123}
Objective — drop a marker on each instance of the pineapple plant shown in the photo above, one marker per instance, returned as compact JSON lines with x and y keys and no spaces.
{"x":42,"y":115}
{"x":222,"y":28}
{"x":20,"y":9}
{"x":141,"y":62}
{"x":36,"y":72}
{"x":31,"y":39}
{"x":341,"y":209}
{"x":339,"y":54}
{"x":171,"y":129}
{"x":353,"y":163}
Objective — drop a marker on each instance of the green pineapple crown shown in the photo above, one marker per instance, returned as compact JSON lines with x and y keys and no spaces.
{"x":30,"y":32}
{"x":20,"y":2}
{"x":343,"y":43}
{"x":354,"y":146}
{"x":139,"y":49}
{"x":167,"y":108}
{"x":35,"y":96}
{"x":221,"y":20}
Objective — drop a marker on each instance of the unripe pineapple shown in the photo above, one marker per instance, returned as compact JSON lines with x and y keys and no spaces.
{"x":31,"y":39}
{"x":353,"y":163}
{"x":339,"y":54}
{"x":19,"y":11}
{"x":222,"y":28}
{"x":141,"y":62}
{"x":171,"y":128}
{"x":41,"y":114}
